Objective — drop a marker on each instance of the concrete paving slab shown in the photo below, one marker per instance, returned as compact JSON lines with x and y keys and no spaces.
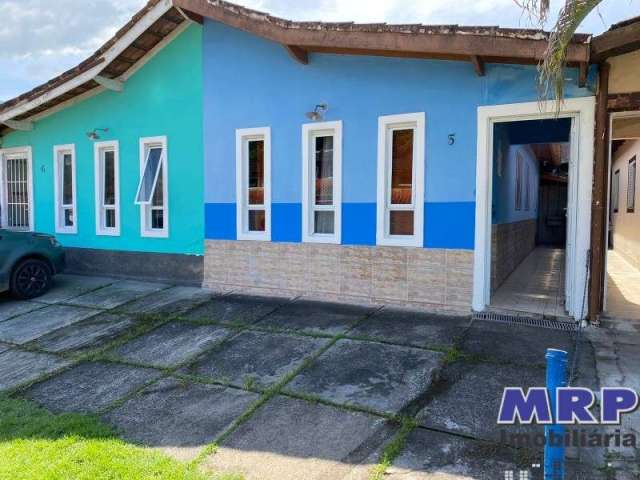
{"x":116,"y":294}
{"x":18,"y":367}
{"x":172,"y":301}
{"x":87,"y":334}
{"x":12,"y":308}
{"x":66,"y":287}
{"x":504,"y":343}
{"x":171,"y":344}
{"x":179,"y":417}
{"x":32,"y":325}
{"x":256,"y":357}
{"x":466,"y":400}
{"x":383,"y":378}
{"x":431,"y":455}
{"x":240,"y":309}
{"x":409,"y":327}
{"x":316,"y":317}
{"x":4,"y":347}
{"x":90,"y":387}
{"x":290,"y":439}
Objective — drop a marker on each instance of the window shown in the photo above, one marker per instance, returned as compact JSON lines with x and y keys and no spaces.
{"x":401,"y":180}
{"x":631,"y":186}
{"x":107,"y":188}
{"x":615,"y":192}
{"x":16,"y":193}
{"x":253,"y":183}
{"x":322,"y":182}
{"x":65,"y":188}
{"x":519,"y":168}
{"x":153,"y":195}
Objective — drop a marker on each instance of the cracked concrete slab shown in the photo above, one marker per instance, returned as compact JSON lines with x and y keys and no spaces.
{"x":12,"y":308}
{"x":66,"y":287}
{"x":430,"y":455}
{"x":18,"y":367}
{"x":504,"y":343}
{"x":116,"y":294}
{"x":290,"y":439}
{"x":172,"y":301}
{"x":240,"y":309}
{"x":32,"y":325}
{"x":86,"y":334}
{"x":90,"y":387}
{"x":256,"y":357}
{"x":466,"y":400}
{"x":383,"y":378}
{"x":410,"y":327}
{"x":316,"y":317}
{"x":179,"y":417}
{"x":171,"y":344}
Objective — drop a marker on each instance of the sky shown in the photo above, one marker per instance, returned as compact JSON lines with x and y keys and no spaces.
{"x":40,"y":39}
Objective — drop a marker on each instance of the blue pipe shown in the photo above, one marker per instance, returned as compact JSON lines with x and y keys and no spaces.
{"x":554,"y":451}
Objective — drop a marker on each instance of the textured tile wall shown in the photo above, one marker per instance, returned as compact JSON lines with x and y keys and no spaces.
{"x":412,"y":276}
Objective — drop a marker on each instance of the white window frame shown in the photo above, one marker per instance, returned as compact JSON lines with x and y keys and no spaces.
{"x":16,"y":152}
{"x":310,"y":131}
{"x":243,"y":137}
{"x":387,"y":124}
{"x":58,"y":151}
{"x":98,"y":149}
{"x":145,"y":210}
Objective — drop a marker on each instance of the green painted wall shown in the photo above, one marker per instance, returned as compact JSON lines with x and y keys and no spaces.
{"x":163,"y":98}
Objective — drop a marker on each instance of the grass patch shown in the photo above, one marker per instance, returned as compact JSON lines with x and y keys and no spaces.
{"x":35,"y":443}
{"x":393,"y":448}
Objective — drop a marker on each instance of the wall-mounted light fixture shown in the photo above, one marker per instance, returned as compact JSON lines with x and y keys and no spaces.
{"x":318,"y":112}
{"x":93,"y":135}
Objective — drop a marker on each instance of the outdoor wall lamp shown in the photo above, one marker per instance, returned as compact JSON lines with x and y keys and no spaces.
{"x":318,"y":112}
{"x":93,"y":135}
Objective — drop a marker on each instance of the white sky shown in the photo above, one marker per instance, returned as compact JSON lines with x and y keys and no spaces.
{"x":41,"y":38}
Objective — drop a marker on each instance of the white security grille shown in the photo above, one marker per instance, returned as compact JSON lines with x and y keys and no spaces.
{"x":17,"y":192}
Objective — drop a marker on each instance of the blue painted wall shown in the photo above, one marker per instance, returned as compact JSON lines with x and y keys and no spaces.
{"x":163,"y":98}
{"x":250,"y":82}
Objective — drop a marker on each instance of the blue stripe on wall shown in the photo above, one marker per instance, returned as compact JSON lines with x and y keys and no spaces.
{"x":220,"y":221}
{"x":449,"y":225}
{"x":358,"y":223}
{"x":286,"y":222}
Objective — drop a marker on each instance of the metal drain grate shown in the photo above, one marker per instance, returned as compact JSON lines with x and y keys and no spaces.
{"x":514,"y":319}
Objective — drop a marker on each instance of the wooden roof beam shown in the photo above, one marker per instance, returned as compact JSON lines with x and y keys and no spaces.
{"x":478,"y":65}
{"x":615,"y":42}
{"x":300,"y":55}
{"x":584,"y":73}
{"x":109,"y":83}
{"x":19,"y":125}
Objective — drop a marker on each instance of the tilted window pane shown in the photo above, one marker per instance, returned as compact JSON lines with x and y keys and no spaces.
{"x":324,"y":222}
{"x":257,"y":220}
{"x":401,"y":222}
{"x":402,"y":167}
{"x":67,"y":179}
{"x":631,"y":189}
{"x":109,"y":178}
{"x":149,"y":176}
{"x":256,"y":172}
{"x":324,"y":170}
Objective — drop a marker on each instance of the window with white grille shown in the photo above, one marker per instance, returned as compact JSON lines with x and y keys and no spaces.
{"x":65,"y":188}
{"x":16,"y":190}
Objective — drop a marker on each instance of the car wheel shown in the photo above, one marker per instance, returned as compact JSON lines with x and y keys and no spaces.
{"x":30,"y":279}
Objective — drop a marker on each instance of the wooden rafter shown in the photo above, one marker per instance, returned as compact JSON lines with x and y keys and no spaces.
{"x":478,"y":65}
{"x":300,"y":55}
{"x":615,"y":42}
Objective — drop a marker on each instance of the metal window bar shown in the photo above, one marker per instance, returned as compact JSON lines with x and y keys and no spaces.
{"x":17,"y":191}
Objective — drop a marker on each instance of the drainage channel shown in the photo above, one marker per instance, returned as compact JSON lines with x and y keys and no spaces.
{"x":525,"y":320}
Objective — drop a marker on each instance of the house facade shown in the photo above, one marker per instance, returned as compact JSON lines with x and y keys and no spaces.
{"x":115,"y":171}
{"x":209,"y":143}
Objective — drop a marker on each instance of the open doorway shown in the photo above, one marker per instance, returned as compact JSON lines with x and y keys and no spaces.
{"x":531,"y":161}
{"x":622,"y":299}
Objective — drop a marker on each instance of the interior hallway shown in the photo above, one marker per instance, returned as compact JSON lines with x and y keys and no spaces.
{"x":536,"y":286}
{"x":623,"y":283}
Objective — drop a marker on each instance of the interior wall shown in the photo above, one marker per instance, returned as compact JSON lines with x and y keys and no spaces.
{"x":626,"y":225}
{"x":513,"y":231}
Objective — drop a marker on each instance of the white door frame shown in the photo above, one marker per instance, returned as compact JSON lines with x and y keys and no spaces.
{"x":582,"y":110}
{"x":612,"y":116}
{"x":5,"y":152}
